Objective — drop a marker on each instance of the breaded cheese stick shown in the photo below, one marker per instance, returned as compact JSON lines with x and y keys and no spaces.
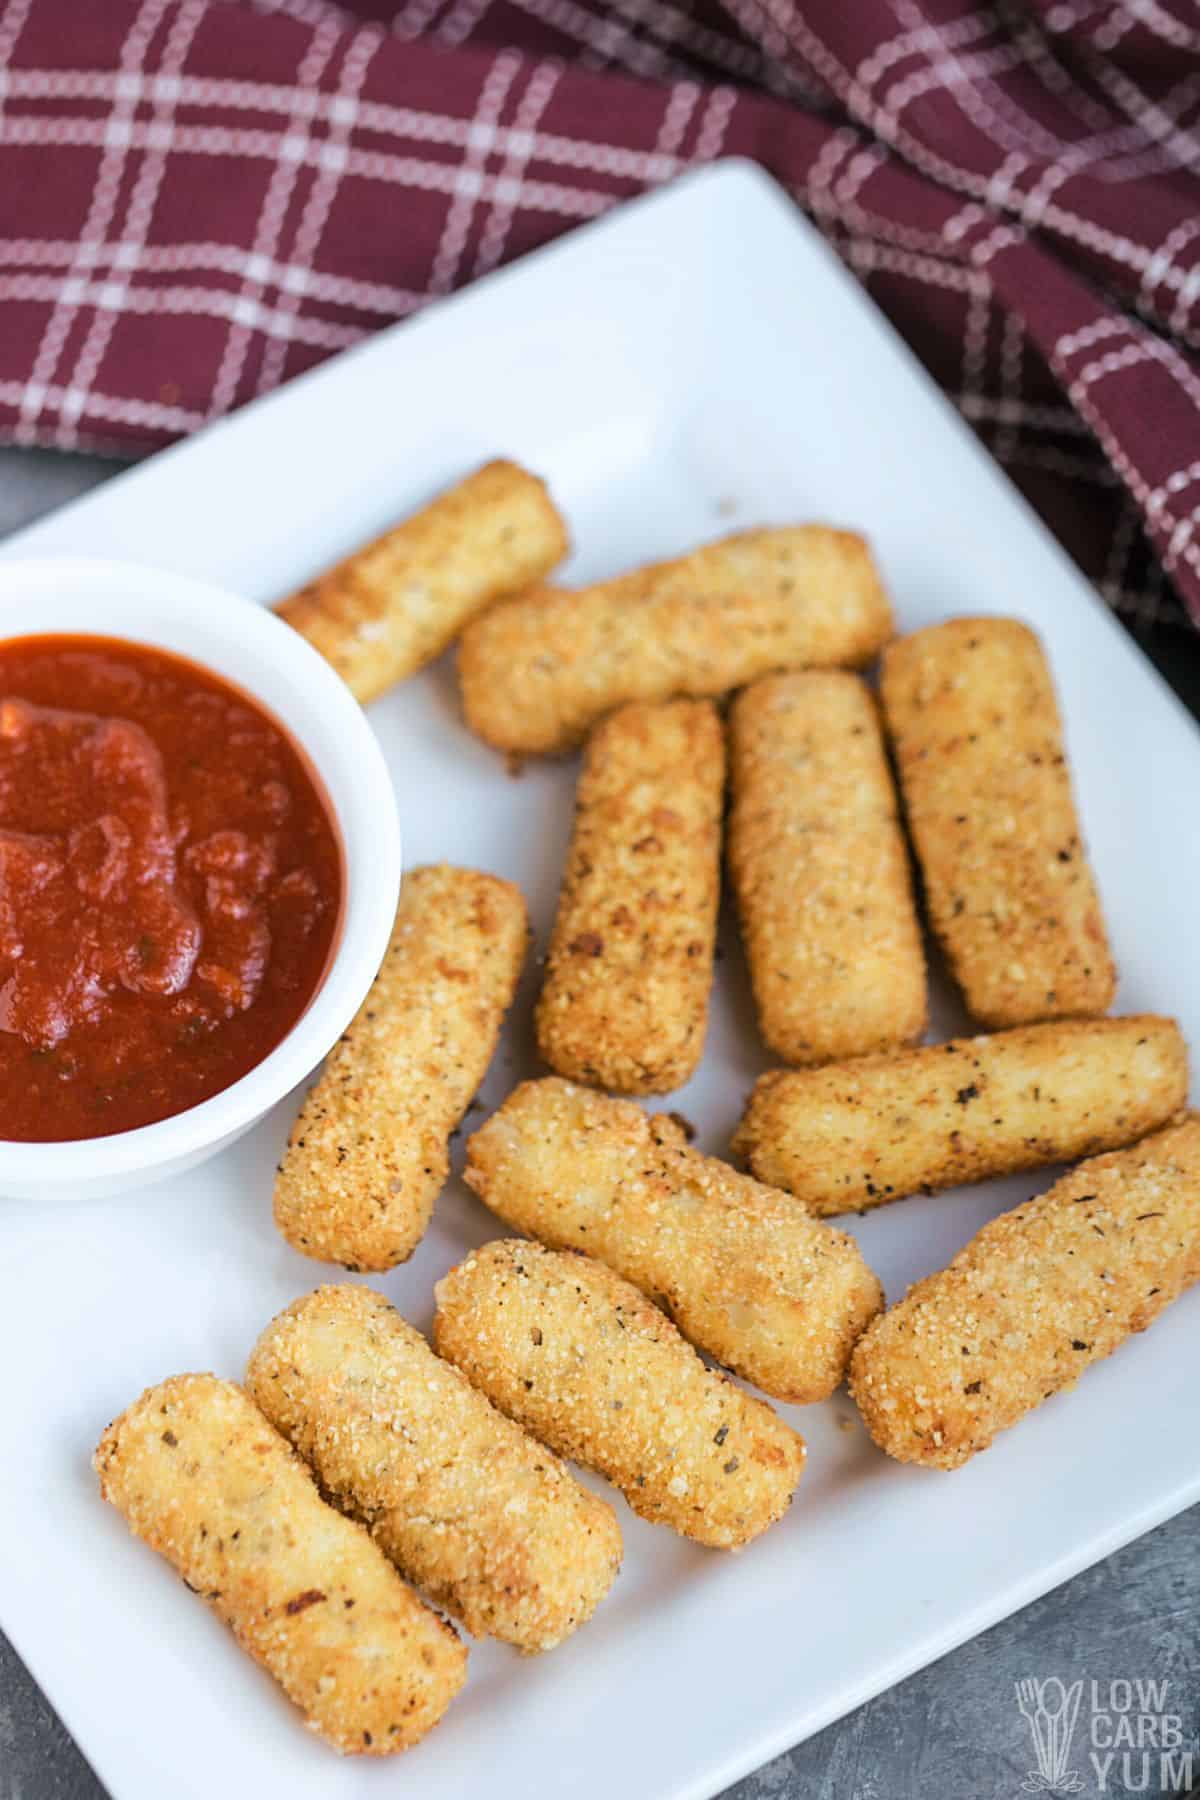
{"x":745,"y":1273}
{"x":856,"y":1135}
{"x":630,"y":965}
{"x":540,"y":670}
{"x":1035,"y":1297}
{"x":820,"y":869}
{"x":485,"y":1520}
{"x":584,"y":1361}
{"x":971,"y":712}
{"x":203,"y":1479}
{"x":394,"y":605}
{"x":368,"y":1154}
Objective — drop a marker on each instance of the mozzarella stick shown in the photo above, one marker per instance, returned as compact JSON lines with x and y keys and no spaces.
{"x":1039,"y":1294}
{"x":820,"y":869}
{"x":486,"y":1521}
{"x":630,"y":966}
{"x":744,"y":1272}
{"x":202,"y":1478}
{"x":587,"y":1364}
{"x":973,"y":719}
{"x":369,"y":1152}
{"x":540,"y":670}
{"x":395,"y":605}
{"x":856,"y":1135}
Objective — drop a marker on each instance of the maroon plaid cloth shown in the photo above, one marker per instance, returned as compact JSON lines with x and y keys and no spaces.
{"x":199,"y":198}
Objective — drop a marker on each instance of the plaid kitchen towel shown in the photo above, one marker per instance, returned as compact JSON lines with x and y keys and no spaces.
{"x":200,"y":198}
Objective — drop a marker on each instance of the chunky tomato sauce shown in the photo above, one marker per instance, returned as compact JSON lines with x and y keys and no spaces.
{"x":170,"y":886}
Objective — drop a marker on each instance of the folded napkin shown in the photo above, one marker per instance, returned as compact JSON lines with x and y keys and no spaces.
{"x":200,"y":198}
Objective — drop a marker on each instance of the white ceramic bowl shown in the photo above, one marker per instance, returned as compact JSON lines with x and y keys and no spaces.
{"x":257,"y":652}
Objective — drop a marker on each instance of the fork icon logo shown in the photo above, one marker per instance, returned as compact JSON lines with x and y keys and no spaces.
{"x":1050,"y":1710}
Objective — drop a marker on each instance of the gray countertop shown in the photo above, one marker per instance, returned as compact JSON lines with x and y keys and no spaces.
{"x":952,"y":1730}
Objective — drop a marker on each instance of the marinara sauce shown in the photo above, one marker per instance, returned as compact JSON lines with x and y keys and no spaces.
{"x":170,"y":886}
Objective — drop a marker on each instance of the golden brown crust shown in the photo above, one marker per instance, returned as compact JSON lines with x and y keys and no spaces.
{"x":1039,"y":1294}
{"x":369,"y":1152}
{"x":539,"y":671}
{"x":858,"y":1134}
{"x":744,"y":1272}
{"x":485,"y":1520}
{"x":582,"y":1359}
{"x":203,"y":1479}
{"x":395,"y":604}
{"x":973,"y":719}
{"x":630,"y":965}
{"x":820,"y":869}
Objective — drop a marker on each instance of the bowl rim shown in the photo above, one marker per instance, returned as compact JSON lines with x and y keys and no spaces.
{"x":369,"y":829}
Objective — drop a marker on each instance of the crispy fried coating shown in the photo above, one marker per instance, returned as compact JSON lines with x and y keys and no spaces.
{"x":820,"y":869}
{"x":1035,"y":1297}
{"x":392,"y":606}
{"x":855,"y":1135}
{"x":630,"y":966}
{"x":369,"y":1152}
{"x":584,"y":1361}
{"x":203,"y":1479}
{"x":540,"y":670}
{"x":744,"y":1272}
{"x":483,"y":1519}
{"x":973,"y":719}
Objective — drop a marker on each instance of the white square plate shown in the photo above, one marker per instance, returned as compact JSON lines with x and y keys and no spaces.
{"x":697,"y":362}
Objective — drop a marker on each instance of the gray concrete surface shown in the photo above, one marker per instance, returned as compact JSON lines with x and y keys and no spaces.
{"x":952,"y":1732}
